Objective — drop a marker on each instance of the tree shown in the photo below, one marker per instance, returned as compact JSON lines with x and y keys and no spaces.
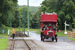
{"x":22,"y":16}
{"x":6,"y":10}
{"x":36,"y":20}
{"x":65,"y":10}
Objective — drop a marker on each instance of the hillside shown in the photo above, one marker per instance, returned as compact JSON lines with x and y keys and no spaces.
{"x":33,"y":8}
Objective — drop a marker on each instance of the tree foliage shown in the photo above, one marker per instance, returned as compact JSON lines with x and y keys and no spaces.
{"x":36,"y":20}
{"x":10,"y":13}
{"x":65,"y":10}
{"x":7,"y":8}
{"x":24,"y":14}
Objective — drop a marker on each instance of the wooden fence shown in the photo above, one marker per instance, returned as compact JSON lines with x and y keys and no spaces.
{"x":71,"y":34}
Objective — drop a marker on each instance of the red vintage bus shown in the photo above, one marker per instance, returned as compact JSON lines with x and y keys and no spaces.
{"x":49,"y":19}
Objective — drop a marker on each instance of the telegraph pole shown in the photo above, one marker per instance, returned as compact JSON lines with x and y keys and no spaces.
{"x":28,"y":15}
{"x":19,"y":23}
{"x":24,"y":20}
{"x":10,"y":23}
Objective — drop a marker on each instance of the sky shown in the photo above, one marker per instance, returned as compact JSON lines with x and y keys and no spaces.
{"x":31,"y":2}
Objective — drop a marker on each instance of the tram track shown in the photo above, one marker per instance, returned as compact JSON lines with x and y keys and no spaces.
{"x":19,"y":34}
{"x":22,"y":44}
{"x":61,"y":44}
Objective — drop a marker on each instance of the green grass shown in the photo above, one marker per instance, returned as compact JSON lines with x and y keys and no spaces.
{"x":21,"y":29}
{"x":61,"y":33}
{"x":3,"y":27}
{"x":1,"y":35}
{"x":71,"y":38}
{"x":38,"y":31}
{"x":16,"y":29}
{"x":3,"y":44}
{"x":4,"y":41}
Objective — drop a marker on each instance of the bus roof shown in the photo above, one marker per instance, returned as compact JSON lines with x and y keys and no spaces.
{"x":48,"y":18}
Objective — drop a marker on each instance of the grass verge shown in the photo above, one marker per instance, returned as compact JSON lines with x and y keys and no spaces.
{"x":3,"y":35}
{"x":22,"y":29}
{"x":71,"y":38}
{"x":38,"y":31}
{"x":16,"y":29}
{"x":61,"y":33}
{"x":3,"y":43}
{"x":3,"y":27}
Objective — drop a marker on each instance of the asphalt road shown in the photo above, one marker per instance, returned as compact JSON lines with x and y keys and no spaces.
{"x":62,"y":44}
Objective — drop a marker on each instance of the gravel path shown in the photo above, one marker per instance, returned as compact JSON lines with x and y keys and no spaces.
{"x":20,"y":45}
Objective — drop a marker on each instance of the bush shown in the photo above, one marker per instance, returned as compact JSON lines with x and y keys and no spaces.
{"x":2,"y":27}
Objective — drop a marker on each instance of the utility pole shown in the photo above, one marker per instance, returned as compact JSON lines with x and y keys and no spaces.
{"x":24,"y":20}
{"x":19,"y":23}
{"x":28,"y":15}
{"x":22,"y":23}
{"x":10,"y":23}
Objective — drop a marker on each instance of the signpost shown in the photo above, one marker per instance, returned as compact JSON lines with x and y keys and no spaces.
{"x":65,"y":27}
